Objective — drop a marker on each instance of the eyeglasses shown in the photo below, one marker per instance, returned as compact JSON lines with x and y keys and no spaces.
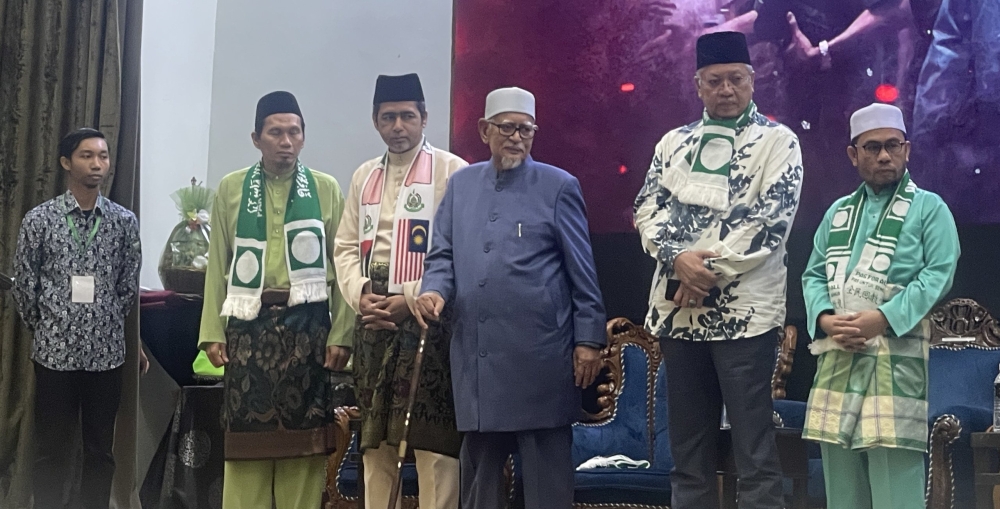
{"x":527,"y":131}
{"x":892,"y":147}
{"x":716,"y":82}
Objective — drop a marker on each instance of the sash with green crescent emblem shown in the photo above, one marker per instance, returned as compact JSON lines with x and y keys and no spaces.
{"x":305,"y":245}
{"x":876,"y":397}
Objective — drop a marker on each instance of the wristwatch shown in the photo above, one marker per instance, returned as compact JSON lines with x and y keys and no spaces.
{"x":824,"y":52}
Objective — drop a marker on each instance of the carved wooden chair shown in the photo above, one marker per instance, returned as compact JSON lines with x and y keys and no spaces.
{"x":631,"y":419}
{"x":625,"y":423}
{"x":792,"y":415}
{"x":344,"y":487}
{"x":965,"y":352}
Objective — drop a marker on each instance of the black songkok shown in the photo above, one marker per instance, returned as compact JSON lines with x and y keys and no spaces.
{"x":398,"y":88}
{"x":274,"y":103}
{"x":723,"y":48}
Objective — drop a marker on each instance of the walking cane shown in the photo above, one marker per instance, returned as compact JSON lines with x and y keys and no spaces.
{"x":414,"y":382}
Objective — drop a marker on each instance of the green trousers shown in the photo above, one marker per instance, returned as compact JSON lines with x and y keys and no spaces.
{"x":294,"y":483}
{"x":878,"y":478}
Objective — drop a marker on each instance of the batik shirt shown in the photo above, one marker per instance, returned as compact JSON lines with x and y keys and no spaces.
{"x":764,"y":181}
{"x":71,"y":336}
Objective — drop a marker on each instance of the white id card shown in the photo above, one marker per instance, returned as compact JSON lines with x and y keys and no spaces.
{"x":83,"y":289}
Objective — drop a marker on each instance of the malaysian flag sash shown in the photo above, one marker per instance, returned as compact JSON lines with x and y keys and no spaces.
{"x":411,"y":227}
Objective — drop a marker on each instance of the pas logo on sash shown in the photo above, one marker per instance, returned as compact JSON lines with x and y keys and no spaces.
{"x":411,"y":229}
{"x":305,"y":246}
{"x":867,"y":286}
{"x":702,"y":176}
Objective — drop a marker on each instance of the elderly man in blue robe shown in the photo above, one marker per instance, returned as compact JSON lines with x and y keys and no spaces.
{"x":511,"y":255}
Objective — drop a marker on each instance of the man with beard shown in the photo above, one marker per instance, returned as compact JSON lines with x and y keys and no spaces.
{"x":381,"y":243}
{"x":883,"y":257}
{"x":269,"y":296}
{"x":512,"y":257}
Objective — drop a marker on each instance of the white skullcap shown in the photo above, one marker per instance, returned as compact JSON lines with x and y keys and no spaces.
{"x":510,"y":100}
{"x":876,"y":116}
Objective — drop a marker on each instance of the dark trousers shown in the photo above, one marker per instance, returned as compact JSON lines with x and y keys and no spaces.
{"x":546,"y":468}
{"x":63,"y":399}
{"x":700,"y":377}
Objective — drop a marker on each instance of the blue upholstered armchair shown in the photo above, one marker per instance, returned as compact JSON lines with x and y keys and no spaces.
{"x":965,"y":353}
{"x":792,"y":415}
{"x":342,"y":472}
{"x":632,"y":420}
{"x":343,"y":488}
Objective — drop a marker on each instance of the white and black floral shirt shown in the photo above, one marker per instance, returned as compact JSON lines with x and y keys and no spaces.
{"x":74,"y":336}
{"x":764,"y":181}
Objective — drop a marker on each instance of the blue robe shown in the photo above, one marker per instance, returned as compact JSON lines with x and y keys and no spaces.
{"x":511,"y":254}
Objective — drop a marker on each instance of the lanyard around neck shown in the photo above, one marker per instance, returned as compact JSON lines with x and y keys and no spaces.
{"x":80,"y":244}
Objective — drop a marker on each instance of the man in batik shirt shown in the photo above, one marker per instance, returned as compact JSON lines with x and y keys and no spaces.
{"x":76,"y":275}
{"x":715,"y":212}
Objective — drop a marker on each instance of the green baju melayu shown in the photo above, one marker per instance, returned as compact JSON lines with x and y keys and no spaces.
{"x":278,"y":406}
{"x":894,"y":251}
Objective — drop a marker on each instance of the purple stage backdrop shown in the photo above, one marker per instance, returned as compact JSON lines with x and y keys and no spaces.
{"x":612,"y":76}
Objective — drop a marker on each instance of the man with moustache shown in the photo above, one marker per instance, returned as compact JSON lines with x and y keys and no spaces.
{"x":269,"y":296}
{"x":715,"y":213}
{"x":511,"y":256}
{"x":883,"y":257}
{"x":380,"y":248}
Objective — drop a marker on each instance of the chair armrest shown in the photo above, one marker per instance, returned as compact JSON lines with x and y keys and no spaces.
{"x":941,"y":479}
{"x":792,"y":413}
{"x":784,"y":361}
{"x":342,"y":441}
{"x":606,"y":392}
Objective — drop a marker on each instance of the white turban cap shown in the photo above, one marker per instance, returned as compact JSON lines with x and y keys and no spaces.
{"x":876,"y":116}
{"x":510,"y":100}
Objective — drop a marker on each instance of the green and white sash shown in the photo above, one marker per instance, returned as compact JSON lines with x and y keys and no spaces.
{"x":867,"y":286}
{"x":305,"y":245}
{"x":412,"y":222}
{"x":702,"y":176}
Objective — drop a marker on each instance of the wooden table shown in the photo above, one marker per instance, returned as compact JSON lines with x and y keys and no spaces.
{"x":794,"y":465}
{"x":986,"y":461}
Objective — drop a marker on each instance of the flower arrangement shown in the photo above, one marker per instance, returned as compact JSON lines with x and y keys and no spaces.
{"x":185,"y":257}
